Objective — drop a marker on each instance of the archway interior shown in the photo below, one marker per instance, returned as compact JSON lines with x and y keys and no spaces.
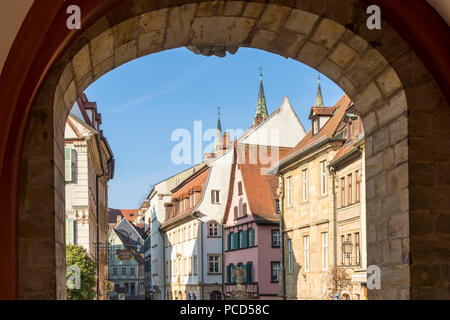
{"x":214,"y":28}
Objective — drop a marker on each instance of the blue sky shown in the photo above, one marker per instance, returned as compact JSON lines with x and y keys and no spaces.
{"x":145,"y":100}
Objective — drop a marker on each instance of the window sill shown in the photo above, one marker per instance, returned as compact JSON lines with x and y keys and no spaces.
{"x":278,"y":246}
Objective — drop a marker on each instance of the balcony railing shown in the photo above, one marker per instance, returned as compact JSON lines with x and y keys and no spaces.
{"x":252,"y":289}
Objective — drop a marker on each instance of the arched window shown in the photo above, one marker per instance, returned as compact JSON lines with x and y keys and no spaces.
{"x":240,"y":188}
{"x":235,"y":212}
{"x":244,"y":209}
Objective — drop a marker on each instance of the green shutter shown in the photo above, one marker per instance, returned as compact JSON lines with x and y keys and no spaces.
{"x":228,"y":241}
{"x":244,"y":239}
{"x":69,"y":231}
{"x":236,"y":240}
{"x":249,"y":272}
{"x":68,"y":164}
{"x":244,"y":266}
{"x":251,"y":237}
{"x":228,"y":274}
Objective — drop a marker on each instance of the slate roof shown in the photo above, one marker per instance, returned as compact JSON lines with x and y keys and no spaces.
{"x":131,"y":239}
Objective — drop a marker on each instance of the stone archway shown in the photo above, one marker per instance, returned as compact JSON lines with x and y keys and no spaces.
{"x":401,"y":106}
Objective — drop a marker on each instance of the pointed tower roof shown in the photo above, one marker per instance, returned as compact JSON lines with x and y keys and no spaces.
{"x":261,"y":109}
{"x":219,"y":142}
{"x":319,"y":99}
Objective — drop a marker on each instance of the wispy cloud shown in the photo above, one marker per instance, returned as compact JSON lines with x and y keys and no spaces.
{"x":162,"y":90}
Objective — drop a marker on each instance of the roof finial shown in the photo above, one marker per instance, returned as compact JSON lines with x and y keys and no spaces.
{"x":319,"y":98}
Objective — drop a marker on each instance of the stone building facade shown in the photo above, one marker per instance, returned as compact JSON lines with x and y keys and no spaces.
{"x":311,"y":221}
{"x":89,"y":165}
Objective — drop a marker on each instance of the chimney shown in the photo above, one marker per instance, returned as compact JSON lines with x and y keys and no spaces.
{"x":118,"y":219}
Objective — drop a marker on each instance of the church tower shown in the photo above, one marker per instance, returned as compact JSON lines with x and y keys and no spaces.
{"x":261,"y":109}
{"x":319,"y":98}
{"x":219,"y":142}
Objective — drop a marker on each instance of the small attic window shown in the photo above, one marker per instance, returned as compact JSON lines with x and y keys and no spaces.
{"x":315,"y":125}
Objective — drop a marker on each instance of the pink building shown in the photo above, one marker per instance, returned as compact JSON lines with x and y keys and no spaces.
{"x":252,"y":222}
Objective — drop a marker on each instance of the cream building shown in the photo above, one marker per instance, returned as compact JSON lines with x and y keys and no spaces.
{"x":89,"y":165}
{"x":312,"y":219}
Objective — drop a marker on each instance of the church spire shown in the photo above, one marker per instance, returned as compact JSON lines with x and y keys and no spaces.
{"x":219,"y":142}
{"x":319,"y":99}
{"x":261,"y":109}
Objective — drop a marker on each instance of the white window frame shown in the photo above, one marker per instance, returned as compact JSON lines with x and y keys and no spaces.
{"x":305,"y":185}
{"x":214,"y":262}
{"x":306,"y":253}
{"x":216,"y":196}
{"x":324,"y":251}
{"x":289,"y":191}
{"x":290,"y":257}
{"x":323,"y":178}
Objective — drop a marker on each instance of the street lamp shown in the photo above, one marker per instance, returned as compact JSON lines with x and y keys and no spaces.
{"x":348,"y":246}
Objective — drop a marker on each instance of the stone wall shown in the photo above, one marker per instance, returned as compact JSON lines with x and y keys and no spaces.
{"x":405,"y":119}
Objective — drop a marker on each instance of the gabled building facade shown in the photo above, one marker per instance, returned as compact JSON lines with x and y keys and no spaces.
{"x":89,"y":165}
{"x":182,"y":245}
{"x":126,"y":261}
{"x":312,"y":219}
{"x":251,"y":222}
{"x":155,"y":215}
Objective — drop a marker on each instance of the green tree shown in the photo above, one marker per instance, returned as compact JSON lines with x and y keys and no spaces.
{"x":78,"y":256}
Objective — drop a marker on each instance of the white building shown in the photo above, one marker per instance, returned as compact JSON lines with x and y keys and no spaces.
{"x":89,"y":165}
{"x":154,"y":217}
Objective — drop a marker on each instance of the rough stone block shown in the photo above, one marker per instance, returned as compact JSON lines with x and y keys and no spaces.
{"x":388,"y":82}
{"x":232,"y":8}
{"x":102,"y":47}
{"x":125,"y":53}
{"x":253,"y":10}
{"x":262,"y":39}
{"x":311,"y":54}
{"x":327,"y":33}
{"x":180,"y":19}
{"x":367,"y":97}
{"x":82,"y":63}
{"x":273,"y":17}
{"x":154,"y":20}
{"x":230,"y":31}
{"x":151,"y":42}
{"x":301,"y":21}
{"x":342,"y":55}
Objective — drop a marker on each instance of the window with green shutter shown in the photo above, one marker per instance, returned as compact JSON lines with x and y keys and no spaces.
{"x":236,"y":240}
{"x":229,"y":273}
{"x":251,"y":237}
{"x":229,"y":241}
{"x":70,"y":228}
{"x":68,"y":164}
{"x":249,"y":272}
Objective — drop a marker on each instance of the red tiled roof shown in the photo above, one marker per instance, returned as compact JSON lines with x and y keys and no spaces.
{"x":347,"y":147}
{"x":195,"y":182}
{"x":129,"y":214}
{"x":322,"y":111}
{"x":329,"y":129}
{"x":259,"y":187}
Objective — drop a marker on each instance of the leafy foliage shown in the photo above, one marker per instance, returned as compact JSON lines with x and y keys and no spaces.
{"x":78,"y":256}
